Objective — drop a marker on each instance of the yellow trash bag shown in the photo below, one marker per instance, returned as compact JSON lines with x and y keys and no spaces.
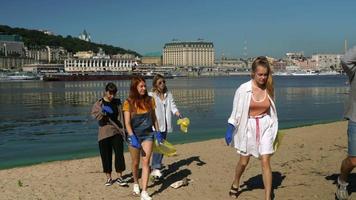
{"x":277,"y":142}
{"x":184,"y":123}
{"x":166,"y":148}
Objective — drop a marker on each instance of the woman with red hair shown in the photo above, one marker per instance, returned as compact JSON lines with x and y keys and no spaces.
{"x":139,"y":114}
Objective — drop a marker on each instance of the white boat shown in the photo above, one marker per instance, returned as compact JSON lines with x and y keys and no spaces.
{"x":304,"y":73}
{"x":282,"y":74}
{"x":21,"y":76}
{"x":329,"y":73}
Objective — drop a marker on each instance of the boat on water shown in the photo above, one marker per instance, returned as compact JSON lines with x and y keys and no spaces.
{"x":85,"y":77}
{"x":282,"y":74}
{"x":329,"y":73}
{"x":3,"y":77}
{"x":304,"y":73}
{"x":21,"y":77}
{"x":17,"y":76}
{"x":307,"y":73}
{"x":96,"y":76}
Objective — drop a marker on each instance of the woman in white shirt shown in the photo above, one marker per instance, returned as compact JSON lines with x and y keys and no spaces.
{"x":253,"y":124}
{"x":165,"y":105}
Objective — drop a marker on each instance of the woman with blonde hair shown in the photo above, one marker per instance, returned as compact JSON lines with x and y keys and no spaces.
{"x":165,"y":107}
{"x":139,"y":114}
{"x":253,"y":124}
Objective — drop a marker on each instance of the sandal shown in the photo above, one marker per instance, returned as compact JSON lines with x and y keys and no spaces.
{"x":234,"y":192}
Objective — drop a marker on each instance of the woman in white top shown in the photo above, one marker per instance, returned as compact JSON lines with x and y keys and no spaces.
{"x":253,"y":124}
{"x":165,"y":106}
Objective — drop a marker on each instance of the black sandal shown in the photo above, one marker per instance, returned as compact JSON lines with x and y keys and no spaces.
{"x":234,"y":192}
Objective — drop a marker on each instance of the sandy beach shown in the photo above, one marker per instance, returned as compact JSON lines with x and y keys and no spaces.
{"x":305,"y":167}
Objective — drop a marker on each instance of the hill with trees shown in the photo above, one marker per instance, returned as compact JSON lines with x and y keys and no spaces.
{"x":35,"y":38}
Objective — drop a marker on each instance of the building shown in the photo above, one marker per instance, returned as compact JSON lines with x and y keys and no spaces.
{"x":101,"y":55}
{"x":14,"y":63}
{"x":47,"y":54}
{"x":98,"y":65}
{"x":124,"y":56}
{"x":38,"y":54}
{"x":295,"y":55}
{"x":12,"y":52}
{"x":43,"y":68}
{"x":84,"y":54}
{"x":327,"y":61}
{"x":85,"y":36}
{"x":152,"y":59}
{"x":307,"y":64}
{"x":230,"y":63}
{"x":47,"y":32}
{"x":11,"y":45}
{"x":196,"y":53}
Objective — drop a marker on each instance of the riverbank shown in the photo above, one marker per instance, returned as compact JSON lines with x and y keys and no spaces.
{"x":305,"y":167}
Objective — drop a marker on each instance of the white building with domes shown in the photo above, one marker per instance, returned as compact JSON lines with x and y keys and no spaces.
{"x":85,"y":36}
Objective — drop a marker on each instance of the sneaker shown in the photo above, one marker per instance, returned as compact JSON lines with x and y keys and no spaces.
{"x":156,"y":173}
{"x":145,"y":196}
{"x":121,"y":182}
{"x":136,"y":189}
{"x":108,"y":182}
{"x":341,"y":192}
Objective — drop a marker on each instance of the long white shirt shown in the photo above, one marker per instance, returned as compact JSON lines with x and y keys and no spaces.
{"x":164,"y":110}
{"x":240,"y":114}
{"x":348,"y":63}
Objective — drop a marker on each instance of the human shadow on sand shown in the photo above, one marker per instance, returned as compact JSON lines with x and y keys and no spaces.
{"x":256,"y":182}
{"x":351,"y":179}
{"x":173,"y":174}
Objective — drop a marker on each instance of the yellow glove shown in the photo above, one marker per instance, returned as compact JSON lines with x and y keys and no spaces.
{"x":184,"y":123}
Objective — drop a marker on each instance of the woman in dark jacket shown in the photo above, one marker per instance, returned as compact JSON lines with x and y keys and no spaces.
{"x":108,"y":112}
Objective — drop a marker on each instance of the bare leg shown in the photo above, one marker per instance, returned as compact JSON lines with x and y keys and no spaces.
{"x":147,"y":148}
{"x":135,"y":161}
{"x":348,"y":164}
{"x":108,"y":175}
{"x":119,"y":174}
{"x":240,"y":168}
{"x":267,"y":175}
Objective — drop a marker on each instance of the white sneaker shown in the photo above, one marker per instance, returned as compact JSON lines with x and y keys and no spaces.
{"x":156,"y":173}
{"x":145,"y":196}
{"x":341,"y":191}
{"x":136,"y":189}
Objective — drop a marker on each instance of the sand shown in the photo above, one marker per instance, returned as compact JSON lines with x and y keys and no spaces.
{"x":305,"y":167}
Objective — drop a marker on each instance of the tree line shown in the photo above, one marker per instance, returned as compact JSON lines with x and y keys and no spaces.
{"x":35,"y":38}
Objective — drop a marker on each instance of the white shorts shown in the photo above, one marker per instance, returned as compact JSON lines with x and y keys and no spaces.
{"x":259,"y":142}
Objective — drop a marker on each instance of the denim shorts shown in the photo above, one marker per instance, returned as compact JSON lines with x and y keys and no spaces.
{"x":145,"y":137}
{"x":351,"y":133}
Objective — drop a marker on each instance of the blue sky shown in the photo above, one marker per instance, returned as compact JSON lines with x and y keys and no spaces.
{"x":269,"y":27}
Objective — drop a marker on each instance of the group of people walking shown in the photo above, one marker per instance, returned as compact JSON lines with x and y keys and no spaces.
{"x":252,"y":127}
{"x":139,"y":120}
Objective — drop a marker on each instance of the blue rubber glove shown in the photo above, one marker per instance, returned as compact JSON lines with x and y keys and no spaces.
{"x":107,"y":110}
{"x":228,"y":135}
{"x":159,"y":137}
{"x":133,"y":141}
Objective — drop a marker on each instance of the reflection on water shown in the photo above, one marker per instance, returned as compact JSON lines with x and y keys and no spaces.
{"x":201,"y":97}
{"x":41,"y":121}
{"x":318,"y":94}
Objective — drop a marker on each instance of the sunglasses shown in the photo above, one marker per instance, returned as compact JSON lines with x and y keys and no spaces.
{"x":161,"y":82}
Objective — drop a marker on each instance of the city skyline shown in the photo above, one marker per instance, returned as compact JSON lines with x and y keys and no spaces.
{"x":268,"y":28}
